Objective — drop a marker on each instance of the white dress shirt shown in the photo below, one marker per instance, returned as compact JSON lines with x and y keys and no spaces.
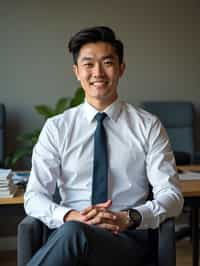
{"x":139,"y":153}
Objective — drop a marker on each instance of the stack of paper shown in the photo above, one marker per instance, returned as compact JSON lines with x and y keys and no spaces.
{"x":20,"y":178}
{"x":189,"y":176}
{"x":7,"y":188}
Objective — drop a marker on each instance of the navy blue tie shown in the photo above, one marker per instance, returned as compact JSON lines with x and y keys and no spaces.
{"x":100,"y":170}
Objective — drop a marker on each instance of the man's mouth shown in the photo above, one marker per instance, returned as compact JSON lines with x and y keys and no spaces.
{"x":99,"y":82}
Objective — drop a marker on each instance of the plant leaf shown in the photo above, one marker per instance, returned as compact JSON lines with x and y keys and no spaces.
{"x":29,"y":136}
{"x":78,"y":97}
{"x":62,"y":104}
{"x":20,"y":153}
{"x":44,"y":110}
{"x":7,"y":161}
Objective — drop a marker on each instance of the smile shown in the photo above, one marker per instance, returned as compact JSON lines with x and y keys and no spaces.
{"x":99,"y":83}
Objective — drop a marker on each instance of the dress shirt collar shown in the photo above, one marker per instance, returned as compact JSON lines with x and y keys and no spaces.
{"x":112,"y":111}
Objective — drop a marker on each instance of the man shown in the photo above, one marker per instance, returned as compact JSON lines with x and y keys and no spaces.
{"x":101,"y":222}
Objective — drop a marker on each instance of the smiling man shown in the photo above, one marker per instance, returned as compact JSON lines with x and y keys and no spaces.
{"x":98,"y":69}
{"x":102,"y":155}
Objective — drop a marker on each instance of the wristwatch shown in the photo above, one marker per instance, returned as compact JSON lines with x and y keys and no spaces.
{"x":134,"y":218}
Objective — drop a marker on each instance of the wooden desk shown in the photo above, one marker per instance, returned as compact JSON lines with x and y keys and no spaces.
{"x":191,"y":167}
{"x":18,"y":199}
{"x":190,"y":188}
{"x":12,"y":206}
{"x":191,"y":193}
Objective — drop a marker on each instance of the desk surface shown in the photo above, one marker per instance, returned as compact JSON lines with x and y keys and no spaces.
{"x":18,"y":199}
{"x":190,"y":188}
{"x":191,"y":167}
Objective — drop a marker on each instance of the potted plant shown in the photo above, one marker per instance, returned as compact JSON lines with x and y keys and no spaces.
{"x":28,"y":140}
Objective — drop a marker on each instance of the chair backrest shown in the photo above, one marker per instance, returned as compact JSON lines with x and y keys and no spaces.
{"x":2,"y":134}
{"x":178,"y":119}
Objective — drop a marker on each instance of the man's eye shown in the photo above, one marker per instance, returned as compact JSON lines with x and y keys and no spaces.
{"x":88,"y":64}
{"x":108,"y":63}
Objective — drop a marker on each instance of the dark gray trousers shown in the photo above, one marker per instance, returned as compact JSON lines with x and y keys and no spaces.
{"x":77,"y":244}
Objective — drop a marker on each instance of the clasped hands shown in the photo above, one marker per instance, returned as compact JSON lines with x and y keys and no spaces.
{"x":101,"y":216}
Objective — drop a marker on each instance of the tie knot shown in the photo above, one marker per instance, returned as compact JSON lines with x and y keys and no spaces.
{"x":100,"y":117}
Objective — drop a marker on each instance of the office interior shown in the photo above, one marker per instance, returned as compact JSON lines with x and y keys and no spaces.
{"x":161,"y":40}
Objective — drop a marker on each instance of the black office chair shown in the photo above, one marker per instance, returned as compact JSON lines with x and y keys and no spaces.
{"x":32,"y":234}
{"x":2,"y":134}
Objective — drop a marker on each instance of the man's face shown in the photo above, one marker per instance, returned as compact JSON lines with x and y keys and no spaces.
{"x":98,"y":71}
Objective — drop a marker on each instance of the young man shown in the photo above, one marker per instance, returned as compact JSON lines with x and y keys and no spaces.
{"x":106,"y":227}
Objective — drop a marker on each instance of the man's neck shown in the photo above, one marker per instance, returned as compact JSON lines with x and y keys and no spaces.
{"x":99,"y":104}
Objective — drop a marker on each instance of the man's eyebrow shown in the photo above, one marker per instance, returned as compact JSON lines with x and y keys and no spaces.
{"x":88,"y":58}
{"x":110,"y":56}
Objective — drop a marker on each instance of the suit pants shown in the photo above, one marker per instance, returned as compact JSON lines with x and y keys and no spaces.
{"x":77,"y":244}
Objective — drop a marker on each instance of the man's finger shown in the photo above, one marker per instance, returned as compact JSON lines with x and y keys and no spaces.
{"x":100,"y":217}
{"x":110,"y":227}
{"x":106,"y":204}
{"x":91,"y":214}
{"x":86,"y":210}
{"x":108,"y":216}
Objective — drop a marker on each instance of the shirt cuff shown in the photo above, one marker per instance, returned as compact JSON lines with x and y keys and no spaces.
{"x":148,"y":220}
{"x":58,"y":215}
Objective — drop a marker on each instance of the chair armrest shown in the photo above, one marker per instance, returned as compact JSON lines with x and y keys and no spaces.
{"x":167,"y":244}
{"x":29,"y":239}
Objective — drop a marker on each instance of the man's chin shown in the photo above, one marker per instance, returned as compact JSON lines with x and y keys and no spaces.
{"x":101,"y":97}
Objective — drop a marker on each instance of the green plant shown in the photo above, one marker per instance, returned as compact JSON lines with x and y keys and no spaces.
{"x":28,"y":140}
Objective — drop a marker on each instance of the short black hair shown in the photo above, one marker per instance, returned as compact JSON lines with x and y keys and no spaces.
{"x":93,"y":35}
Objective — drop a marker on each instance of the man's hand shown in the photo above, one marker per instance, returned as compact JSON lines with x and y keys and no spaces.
{"x":101,"y":216}
{"x":86,"y":213}
{"x":113,"y":221}
{"x":73,"y":215}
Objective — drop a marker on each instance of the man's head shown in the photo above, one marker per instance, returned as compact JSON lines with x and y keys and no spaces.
{"x":94,"y":35}
{"x":98,"y":64}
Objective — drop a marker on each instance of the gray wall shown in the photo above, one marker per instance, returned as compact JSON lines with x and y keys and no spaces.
{"x":161,"y":51}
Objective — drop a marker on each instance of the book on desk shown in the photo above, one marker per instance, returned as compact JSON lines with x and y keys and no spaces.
{"x":11,"y":182}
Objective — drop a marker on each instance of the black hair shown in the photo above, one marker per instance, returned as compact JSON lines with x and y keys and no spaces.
{"x":93,"y":35}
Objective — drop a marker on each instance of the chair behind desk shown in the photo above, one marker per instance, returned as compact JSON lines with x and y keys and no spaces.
{"x":32,"y":234}
{"x":178,"y":119}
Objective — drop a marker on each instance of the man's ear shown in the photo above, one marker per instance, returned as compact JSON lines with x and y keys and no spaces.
{"x":122,"y":68}
{"x":75,"y":70}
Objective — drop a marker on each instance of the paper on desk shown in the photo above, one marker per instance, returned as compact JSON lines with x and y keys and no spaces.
{"x":189,"y":176}
{"x":20,"y":177}
{"x":4,"y":173}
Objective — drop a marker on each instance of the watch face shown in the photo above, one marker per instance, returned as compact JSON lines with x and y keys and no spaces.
{"x":135,"y":217}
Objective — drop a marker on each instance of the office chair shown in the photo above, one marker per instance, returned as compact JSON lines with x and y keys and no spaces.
{"x":32,"y":234}
{"x":2,"y":134}
{"x":178,"y":119}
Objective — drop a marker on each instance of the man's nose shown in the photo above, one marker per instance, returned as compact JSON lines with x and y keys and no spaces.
{"x":98,"y":70}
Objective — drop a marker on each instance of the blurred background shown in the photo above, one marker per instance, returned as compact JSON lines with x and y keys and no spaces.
{"x":162,"y":55}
